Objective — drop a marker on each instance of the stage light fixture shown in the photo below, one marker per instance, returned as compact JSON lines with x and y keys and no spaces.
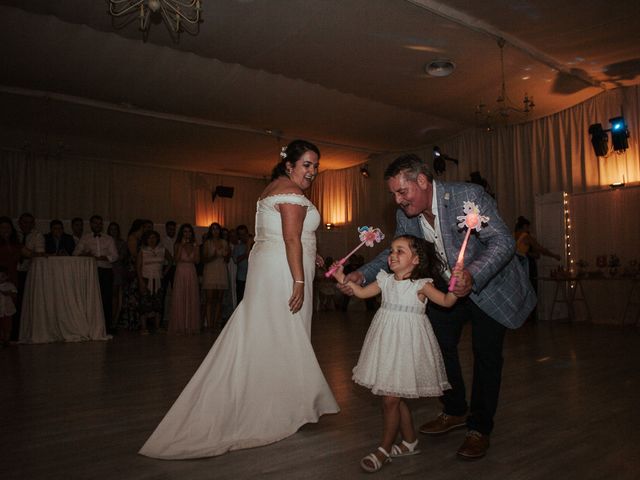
{"x":599,"y":140}
{"x":364,"y":171}
{"x":619,"y":134}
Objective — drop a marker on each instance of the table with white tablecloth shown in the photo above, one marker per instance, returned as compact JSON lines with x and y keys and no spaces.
{"x":62,"y":301}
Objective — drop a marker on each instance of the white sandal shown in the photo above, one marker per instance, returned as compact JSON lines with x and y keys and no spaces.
{"x":397,"y":451}
{"x":377,"y":464}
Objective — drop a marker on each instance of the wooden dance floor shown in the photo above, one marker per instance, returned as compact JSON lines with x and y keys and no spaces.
{"x":568,"y":410}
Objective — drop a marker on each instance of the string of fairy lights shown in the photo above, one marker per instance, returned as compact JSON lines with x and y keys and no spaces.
{"x":567,"y":236}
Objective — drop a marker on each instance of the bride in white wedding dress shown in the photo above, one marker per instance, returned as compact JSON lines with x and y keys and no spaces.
{"x":260,"y":382}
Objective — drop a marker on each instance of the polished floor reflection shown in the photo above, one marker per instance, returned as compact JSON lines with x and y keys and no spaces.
{"x":568,"y":410}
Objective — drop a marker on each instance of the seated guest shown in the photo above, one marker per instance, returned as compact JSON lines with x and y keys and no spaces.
{"x":56,"y":242}
{"x":101,"y":247}
{"x":77,"y":227}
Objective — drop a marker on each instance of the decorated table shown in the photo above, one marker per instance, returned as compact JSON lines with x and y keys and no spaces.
{"x":595,"y":298}
{"x":62,"y":301}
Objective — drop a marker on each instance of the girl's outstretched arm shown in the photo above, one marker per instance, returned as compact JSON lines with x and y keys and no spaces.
{"x":436,"y":296}
{"x":371,"y":290}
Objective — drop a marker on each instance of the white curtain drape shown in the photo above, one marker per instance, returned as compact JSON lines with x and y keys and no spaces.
{"x":546,"y":155}
{"x":551,"y":154}
{"x":603,"y":223}
{"x":61,"y":187}
{"x":231,"y":212}
{"x":338,"y":193}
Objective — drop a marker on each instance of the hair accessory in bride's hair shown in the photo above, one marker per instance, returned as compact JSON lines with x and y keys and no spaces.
{"x":283,"y":152}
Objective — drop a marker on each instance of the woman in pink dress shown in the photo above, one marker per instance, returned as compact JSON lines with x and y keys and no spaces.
{"x":185,"y":299}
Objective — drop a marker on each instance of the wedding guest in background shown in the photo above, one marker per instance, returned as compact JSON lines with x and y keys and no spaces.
{"x":528,"y":249}
{"x":119,"y":272}
{"x":324,"y":287}
{"x":56,"y":242}
{"x":229,"y":299}
{"x":11,"y":250}
{"x":150,"y":263}
{"x":8,"y":294}
{"x":185,"y":299}
{"x":169,"y":238}
{"x":215,"y":255}
{"x":33,"y":240}
{"x":77,"y":229}
{"x":169,"y":241}
{"x":147,"y":225}
{"x":100,"y":246}
{"x":241,"y":257}
{"x":129,"y":315}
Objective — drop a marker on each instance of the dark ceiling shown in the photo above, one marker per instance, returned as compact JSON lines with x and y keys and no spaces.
{"x":348,"y":75}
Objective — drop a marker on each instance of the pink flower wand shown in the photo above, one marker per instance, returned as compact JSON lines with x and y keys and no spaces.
{"x":471,"y":219}
{"x":368,"y":236}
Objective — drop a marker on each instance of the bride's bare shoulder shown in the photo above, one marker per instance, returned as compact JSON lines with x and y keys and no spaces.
{"x":278,"y":187}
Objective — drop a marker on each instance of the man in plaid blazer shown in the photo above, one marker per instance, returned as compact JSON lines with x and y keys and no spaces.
{"x":494,"y":289}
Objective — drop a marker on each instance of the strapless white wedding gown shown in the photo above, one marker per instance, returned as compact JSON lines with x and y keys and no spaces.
{"x":260,"y":382}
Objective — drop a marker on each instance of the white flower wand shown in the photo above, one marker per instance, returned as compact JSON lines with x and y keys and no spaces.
{"x":471,"y":219}
{"x":368,"y":236}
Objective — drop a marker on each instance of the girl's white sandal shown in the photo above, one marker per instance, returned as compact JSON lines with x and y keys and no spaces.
{"x":373,"y":459}
{"x":397,"y":450}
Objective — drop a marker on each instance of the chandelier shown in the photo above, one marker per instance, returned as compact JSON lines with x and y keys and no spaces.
{"x":486,"y":118}
{"x":177,"y":15}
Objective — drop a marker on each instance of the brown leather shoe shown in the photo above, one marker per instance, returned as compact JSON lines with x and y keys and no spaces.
{"x":475,"y":446}
{"x":443,"y":423}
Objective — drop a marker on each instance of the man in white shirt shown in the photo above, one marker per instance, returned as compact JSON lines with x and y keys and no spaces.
{"x":101,"y":247}
{"x":77,"y":228}
{"x":34,"y":241}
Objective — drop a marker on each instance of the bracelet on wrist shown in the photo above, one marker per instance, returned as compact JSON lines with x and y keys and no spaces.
{"x":298,"y":281}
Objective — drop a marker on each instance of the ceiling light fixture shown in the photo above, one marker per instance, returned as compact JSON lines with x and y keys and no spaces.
{"x":486,"y":117}
{"x":440,"y":68}
{"x":178,"y":15}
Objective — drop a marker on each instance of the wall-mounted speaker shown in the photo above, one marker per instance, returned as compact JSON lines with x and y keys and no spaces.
{"x":224,"y":192}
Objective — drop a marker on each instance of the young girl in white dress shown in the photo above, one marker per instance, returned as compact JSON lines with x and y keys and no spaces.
{"x":400,"y":357}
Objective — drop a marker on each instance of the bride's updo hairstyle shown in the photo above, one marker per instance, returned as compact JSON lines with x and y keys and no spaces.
{"x":291,"y":154}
